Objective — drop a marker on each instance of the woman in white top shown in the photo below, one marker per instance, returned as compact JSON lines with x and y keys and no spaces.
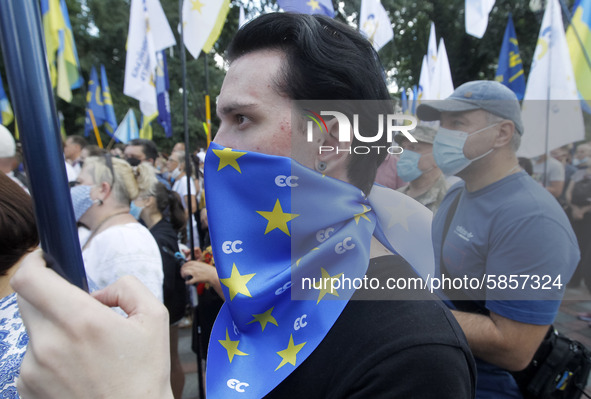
{"x":177,"y":167}
{"x":118,"y":245}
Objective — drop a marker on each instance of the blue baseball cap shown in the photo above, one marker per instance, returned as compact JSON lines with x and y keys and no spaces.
{"x":488,"y":95}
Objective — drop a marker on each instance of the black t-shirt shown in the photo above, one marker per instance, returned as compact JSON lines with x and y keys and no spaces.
{"x":174,"y":288}
{"x":389,"y":348}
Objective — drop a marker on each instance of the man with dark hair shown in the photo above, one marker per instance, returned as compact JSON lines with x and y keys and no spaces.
{"x":494,"y":227}
{"x":72,"y":149}
{"x":143,"y":150}
{"x":264,"y":343}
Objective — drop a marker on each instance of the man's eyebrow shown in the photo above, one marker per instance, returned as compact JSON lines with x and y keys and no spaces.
{"x":233,"y":107}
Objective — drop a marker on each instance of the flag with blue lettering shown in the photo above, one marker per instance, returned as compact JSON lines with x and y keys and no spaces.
{"x":109,"y":112}
{"x":324,"y":7}
{"x":510,"y":68}
{"x":578,"y":37}
{"x":281,"y":233}
{"x":62,"y":56}
{"x":94,"y":103}
{"x":162,"y":86}
{"x":127,"y":129}
{"x":6,"y":114}
{"x":148,"y":33}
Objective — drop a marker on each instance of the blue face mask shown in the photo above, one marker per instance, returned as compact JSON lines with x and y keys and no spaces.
{"x":407,"y":167}
{"x":135,"y":210}
{"x":448,"y":150}
{"x":81,"y":200}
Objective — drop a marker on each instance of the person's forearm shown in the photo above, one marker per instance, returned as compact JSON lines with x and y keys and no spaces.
{"x":491,"y":340}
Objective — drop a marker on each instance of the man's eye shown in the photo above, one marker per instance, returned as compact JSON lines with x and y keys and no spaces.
{"x":241,"y":119}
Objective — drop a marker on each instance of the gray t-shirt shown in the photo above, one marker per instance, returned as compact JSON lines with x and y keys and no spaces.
{"x":554,"y":172}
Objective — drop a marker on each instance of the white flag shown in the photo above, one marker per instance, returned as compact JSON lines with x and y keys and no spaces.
{"x":432,"y":52}
{"x":241,"y":18}
{"x":148,"y":32}
{"x":375,"y":24}
{"x":441,"y":83}
{"x":551,"y":107}
{"x":424,"y":81}
{"x":476,"y":16}
{"x":203,"y":22}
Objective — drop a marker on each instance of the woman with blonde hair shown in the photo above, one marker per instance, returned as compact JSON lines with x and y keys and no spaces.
{"x":117,"y":244}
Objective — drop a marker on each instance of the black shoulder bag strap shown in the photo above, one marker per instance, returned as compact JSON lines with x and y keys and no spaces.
{"x":460,"y":300}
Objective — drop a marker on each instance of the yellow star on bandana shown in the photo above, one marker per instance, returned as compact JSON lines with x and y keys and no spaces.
{"x":196,"y":5}
{"x":313,"y":5}
{"x":264,"y":318}
{"x":236,"y":283}
{"x":231,"y":347}
{"x":362,"y":214}
{"x":277,"y":219}
{"x":228,"y":157}
{"x":325,"y":285}
{"x":290,"y":353}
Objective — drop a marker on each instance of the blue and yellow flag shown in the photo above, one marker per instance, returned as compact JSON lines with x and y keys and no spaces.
{"x":6,"y":114}
{"x":510,"y":68}
{"x":162,"y":86}
{"x":282,"y":236}
{"x":146,"y":131}
{"x":64,"y":67}
{"x":324,"y":7}
{"x":578,"y":37}
{"x":108,"y":110}
{"x":127,"y":129}
{"x":95,"y":106}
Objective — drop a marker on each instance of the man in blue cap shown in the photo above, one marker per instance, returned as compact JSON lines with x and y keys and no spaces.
{"x":494,"y":228}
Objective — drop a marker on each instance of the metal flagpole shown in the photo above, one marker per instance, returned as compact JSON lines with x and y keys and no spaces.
{"x":21,"y":39}
{"x":188,"y":173}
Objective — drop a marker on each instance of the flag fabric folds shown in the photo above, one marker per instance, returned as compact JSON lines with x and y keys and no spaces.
{"x":95,"y":106}
{"x":203,"y":21}
{"x":578,"y":37}
{"x":308,"y":6}
{"x":108,"y":110}
{"x":441,"y":82}
{"x":424,"y":81}
{"x":510,"y":68}
{"x":146,"y":131}
{"x":64,"y":67}
{"x":476,"y":16}
{"x":162,"y":87}
{"x":551,"y":108}
{"x":6,"y":114}
{"x":148,"y":33}
{"x":375,"y":24}
{"x":432,"y":51}
{"x":127,"y":129}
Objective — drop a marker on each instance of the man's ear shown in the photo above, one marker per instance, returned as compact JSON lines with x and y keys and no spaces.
{"x":506,"y":132}
{"x":333,"y":155}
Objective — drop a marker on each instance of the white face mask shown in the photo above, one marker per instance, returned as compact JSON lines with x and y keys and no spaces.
{"x":175,"y":173}
{"x":448,"y":149}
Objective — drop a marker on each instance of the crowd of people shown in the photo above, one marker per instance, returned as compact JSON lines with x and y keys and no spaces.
{"x":488,"y":212}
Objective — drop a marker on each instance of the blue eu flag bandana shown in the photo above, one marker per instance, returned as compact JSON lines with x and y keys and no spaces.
{"x":282,"y":236}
